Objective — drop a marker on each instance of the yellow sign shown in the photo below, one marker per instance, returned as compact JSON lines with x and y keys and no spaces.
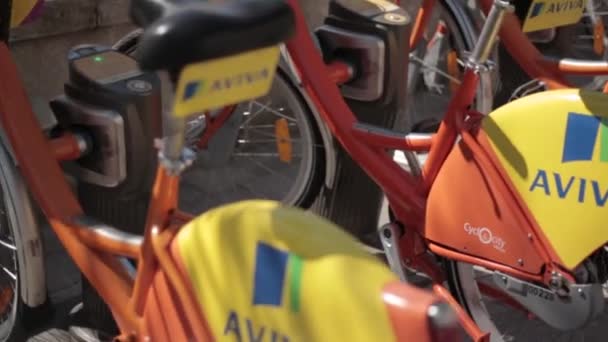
{"x":544,"y":14}
{"x":225,"y":81}
{"x":21,"y":10}
{"x":266,"y":272}
{"x":554,"y":147}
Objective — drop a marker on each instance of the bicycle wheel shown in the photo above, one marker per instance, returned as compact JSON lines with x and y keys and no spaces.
{"x":10,"y":303}
{"x":437,"y":64}
{"x":243,"y":159}
{"x":19,"y":270}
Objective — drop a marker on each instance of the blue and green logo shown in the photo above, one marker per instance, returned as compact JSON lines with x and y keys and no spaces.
{"x":580,"y":144}
{"x":582,"y":138}
{"x":191,"y":89}
{"x":537,"y":9}
{"x":272,"y":267}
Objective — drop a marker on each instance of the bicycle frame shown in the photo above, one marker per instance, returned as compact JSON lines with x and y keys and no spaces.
{"x":368,"y":146}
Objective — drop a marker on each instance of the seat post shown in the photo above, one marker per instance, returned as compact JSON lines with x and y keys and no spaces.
{"x":174,"y":156}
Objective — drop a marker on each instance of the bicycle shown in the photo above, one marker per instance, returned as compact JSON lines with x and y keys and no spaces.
{"x":452,"y":28}
{"x":163,"y":297}
{"x":476,"y":155}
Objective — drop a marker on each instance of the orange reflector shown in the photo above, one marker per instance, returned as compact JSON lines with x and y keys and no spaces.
{"x":6,"y":297}
{"x":598,"y":38}
{"x":281,"y":129}
{"x":453,"y":70}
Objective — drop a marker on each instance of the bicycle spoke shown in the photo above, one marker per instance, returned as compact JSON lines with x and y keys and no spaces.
{"x":10,"y":274}
{"x":435,"y":69}
{"x":261,"y":154}
{"x":262,"y":133}
{"x":263,"y":141}
{"x":275,"y":112}
{"x":267,"y":168}
{"x":7,"y":245}
{"x":268,"y":126}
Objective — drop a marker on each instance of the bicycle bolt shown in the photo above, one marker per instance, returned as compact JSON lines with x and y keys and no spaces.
{"x":387,"y":233}
{"x":395,"y":18}
{"x":520,"y":261}
{"x":530,"y":236}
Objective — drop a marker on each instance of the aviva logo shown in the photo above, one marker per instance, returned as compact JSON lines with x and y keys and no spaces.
{"x":581,"y":140}
{"x":192,"y":89}
{"x":586,"y":140}
{"x":226,"y":83}
{"x":273,"y":269}
{"x":555,"y":7}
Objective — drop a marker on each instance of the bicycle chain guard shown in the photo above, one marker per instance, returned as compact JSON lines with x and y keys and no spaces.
{"x":584,"y":302}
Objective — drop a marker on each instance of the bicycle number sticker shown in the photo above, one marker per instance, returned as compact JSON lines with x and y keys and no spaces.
{"x":225,"y":81}
{"x":545,"y":14}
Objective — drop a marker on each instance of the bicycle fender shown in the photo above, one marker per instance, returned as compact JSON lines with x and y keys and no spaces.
{"x":288,"y":67}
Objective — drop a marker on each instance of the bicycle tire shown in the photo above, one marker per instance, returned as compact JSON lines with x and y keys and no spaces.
{"x":28,"y":268}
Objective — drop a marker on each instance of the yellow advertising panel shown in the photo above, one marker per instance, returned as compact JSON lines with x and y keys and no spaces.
{"x":225,"y":81}
{"x":22,"y":9}
{"x":544,"y":14}
{"x":265,"y":272}
{"x":554,"y":147}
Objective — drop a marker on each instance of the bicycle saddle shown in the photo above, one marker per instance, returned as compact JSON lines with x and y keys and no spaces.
{"x":180,"y":32}
{"x":274,"y":273}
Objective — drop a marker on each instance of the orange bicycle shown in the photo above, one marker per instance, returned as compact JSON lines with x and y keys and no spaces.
{"x":251,"y":270}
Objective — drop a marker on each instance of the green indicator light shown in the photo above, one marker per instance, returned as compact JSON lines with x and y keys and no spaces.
{"x":98,"y":59}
